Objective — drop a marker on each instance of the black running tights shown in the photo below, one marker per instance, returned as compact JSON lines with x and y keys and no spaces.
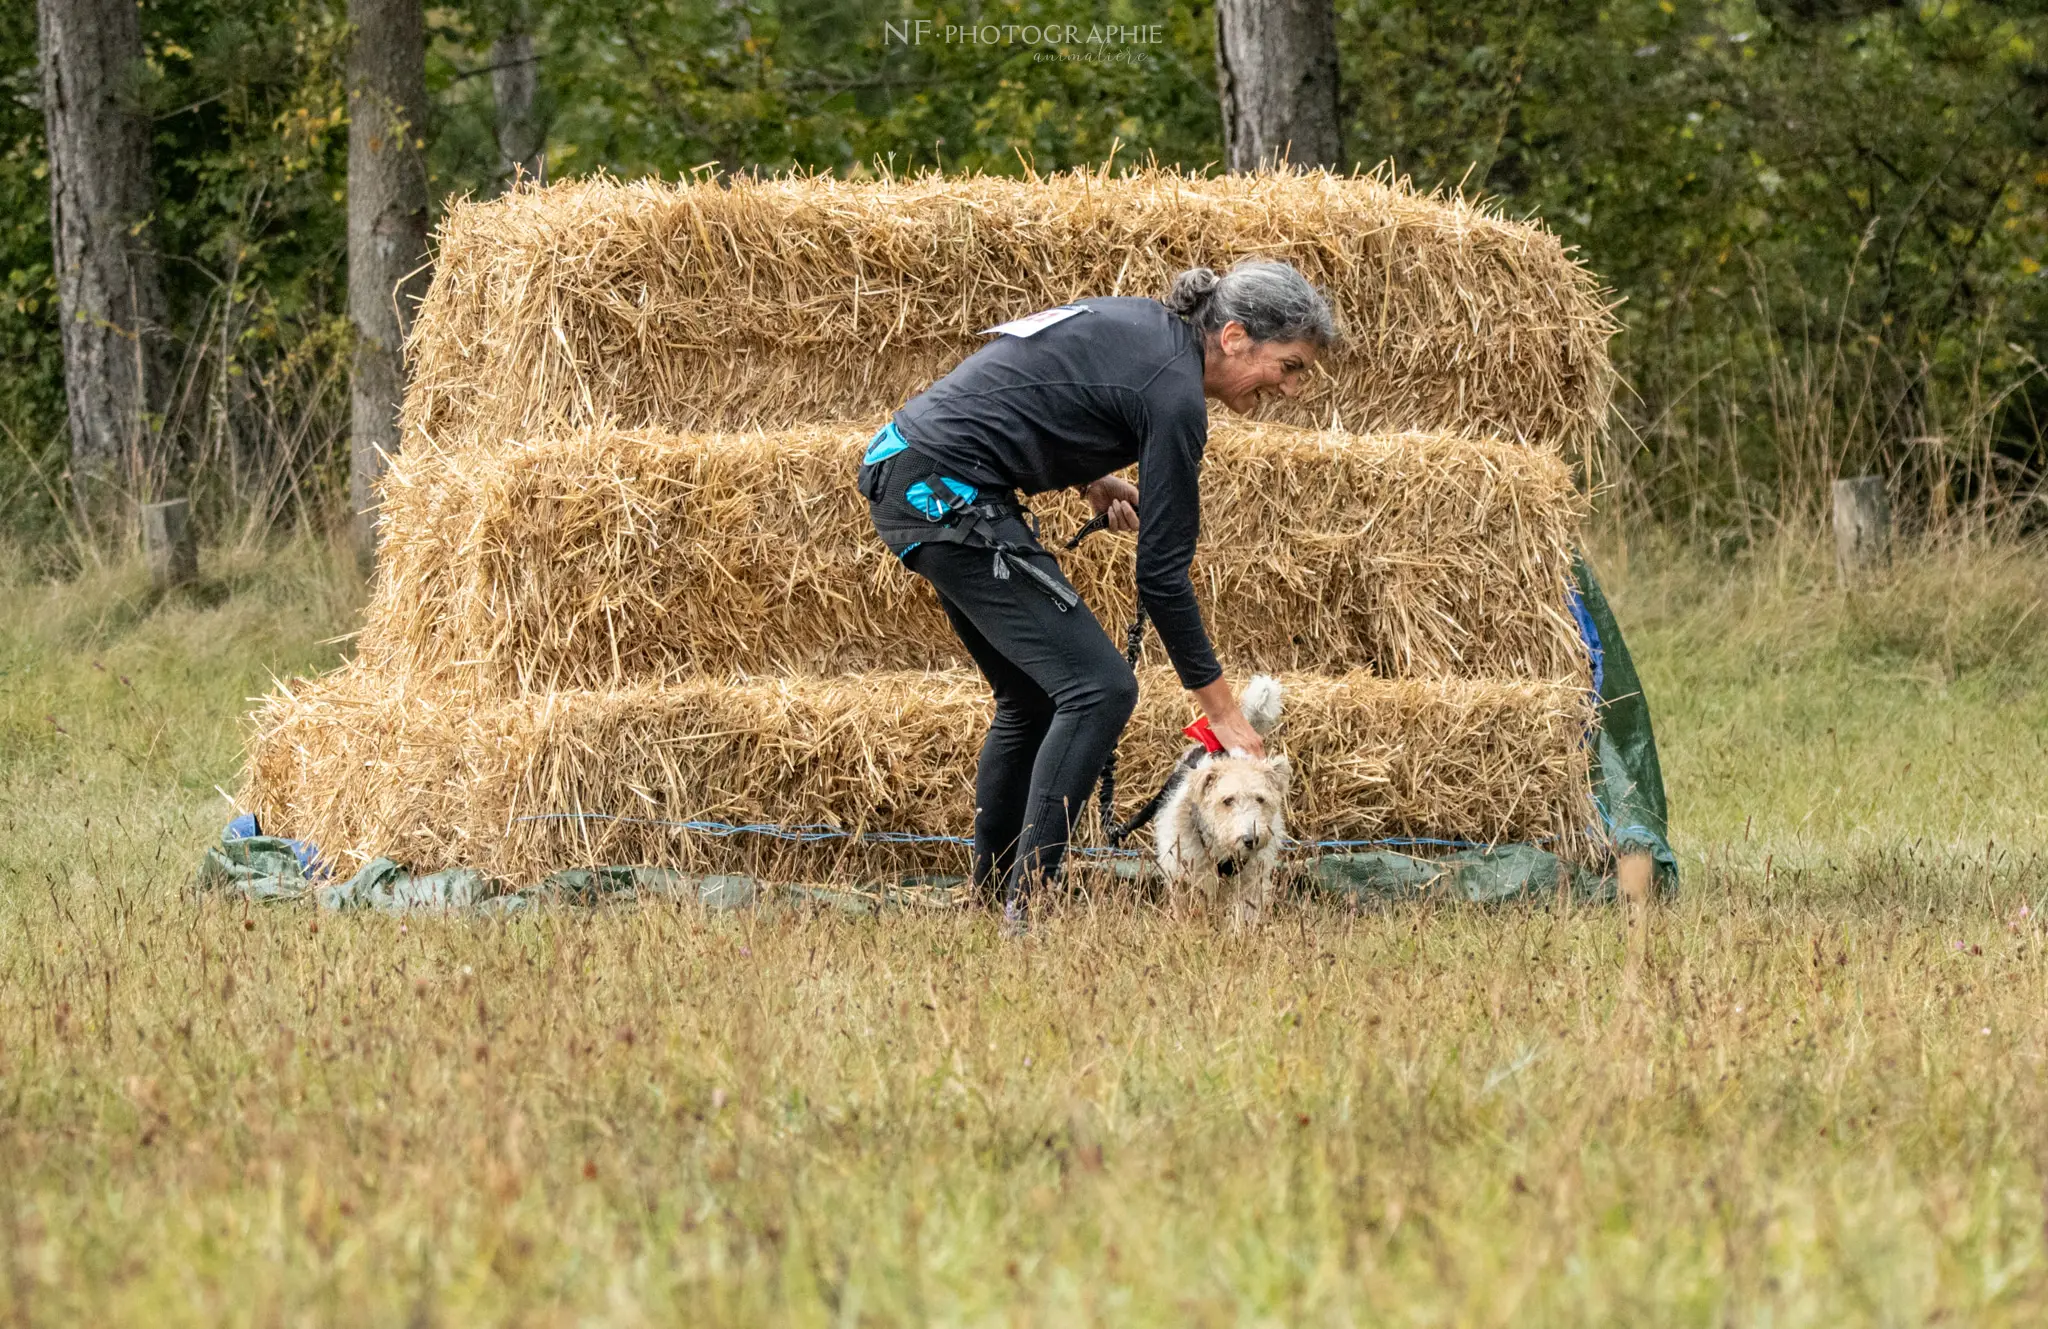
{"x":1063,"y":695}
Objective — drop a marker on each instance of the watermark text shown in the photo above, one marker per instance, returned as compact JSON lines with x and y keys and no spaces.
{"x":919,"y":31}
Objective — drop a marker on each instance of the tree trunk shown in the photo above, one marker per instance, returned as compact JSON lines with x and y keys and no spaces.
{"x":1276,"y":75}
{"x":515,"y":77}
{"x":110,"y":293}
{"x":387,"y":230}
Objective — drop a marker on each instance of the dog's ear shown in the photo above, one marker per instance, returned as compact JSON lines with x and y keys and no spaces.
{"x":1283,"y":770}
{"x":1205,"y":776}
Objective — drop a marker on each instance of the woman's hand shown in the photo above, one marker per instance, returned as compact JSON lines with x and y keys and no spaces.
{"x":1118,"y":498}
{"x":1236,"y":735}
{"x":1227,"y":722}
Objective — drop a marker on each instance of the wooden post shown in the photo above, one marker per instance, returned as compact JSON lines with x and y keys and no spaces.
{"x":1635,"y":873}
{"x":1863,"y":525}
{"x":169,"y":543}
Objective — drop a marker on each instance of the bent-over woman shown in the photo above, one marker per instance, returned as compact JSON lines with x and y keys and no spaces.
{"x":1064,"y":399}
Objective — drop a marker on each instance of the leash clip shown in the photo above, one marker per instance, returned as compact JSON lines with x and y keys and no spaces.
{"x":1099,"y":522}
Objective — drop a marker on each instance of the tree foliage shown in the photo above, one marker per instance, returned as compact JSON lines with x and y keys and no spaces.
{"x":1826,"y":220}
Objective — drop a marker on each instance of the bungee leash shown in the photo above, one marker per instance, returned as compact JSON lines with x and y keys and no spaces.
{"x":1116,"y":832}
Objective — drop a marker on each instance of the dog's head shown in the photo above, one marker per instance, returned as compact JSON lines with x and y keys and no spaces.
{"x":1241,"y":803}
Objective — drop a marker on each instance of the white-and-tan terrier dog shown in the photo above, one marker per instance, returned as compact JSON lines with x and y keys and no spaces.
{"x":1220,"y":828}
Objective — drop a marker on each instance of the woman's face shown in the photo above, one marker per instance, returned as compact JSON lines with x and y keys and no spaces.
{"x":1241,"y":373}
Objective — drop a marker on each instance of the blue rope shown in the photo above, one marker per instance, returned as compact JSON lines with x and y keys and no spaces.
{"x":813,"y":834}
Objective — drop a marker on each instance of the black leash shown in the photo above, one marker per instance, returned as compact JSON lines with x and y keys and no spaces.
{"x":1113,"y":831}
{"x":1116,"y":832}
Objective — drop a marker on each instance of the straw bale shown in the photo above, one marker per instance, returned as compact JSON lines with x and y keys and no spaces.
{"x":365,"y":763}
{"x":763,"y":303}
{"x":607,"y":557}
{"x":344,"y":758}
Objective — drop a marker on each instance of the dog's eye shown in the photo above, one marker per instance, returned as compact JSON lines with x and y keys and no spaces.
{"x":1230,"y":801}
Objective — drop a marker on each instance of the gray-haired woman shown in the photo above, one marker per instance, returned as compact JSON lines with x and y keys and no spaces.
{"x":1064,"y":399}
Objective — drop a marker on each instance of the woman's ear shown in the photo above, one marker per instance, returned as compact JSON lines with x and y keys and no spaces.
{"x":1233,"y":339}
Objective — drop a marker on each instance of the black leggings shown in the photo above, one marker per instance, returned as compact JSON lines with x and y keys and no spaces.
{"x":1063,"y":695}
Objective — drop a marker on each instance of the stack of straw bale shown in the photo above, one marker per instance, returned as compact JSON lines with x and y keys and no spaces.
{"x":804,"y":299}
{"x":522,"y":784}
{"x":598,"y":557}
{"x":597,"y":629}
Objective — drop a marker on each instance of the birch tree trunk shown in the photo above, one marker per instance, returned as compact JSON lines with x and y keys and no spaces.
{"x":1276,"y":75}
{"x":110,"y":292}
{"x":515,"y":78}
{"x":387,"y":230}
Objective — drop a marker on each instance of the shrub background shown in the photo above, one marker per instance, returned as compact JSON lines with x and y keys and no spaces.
{"x":1827,"y":219}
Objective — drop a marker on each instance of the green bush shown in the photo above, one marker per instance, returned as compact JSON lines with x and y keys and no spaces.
{"x":1826,"y":221}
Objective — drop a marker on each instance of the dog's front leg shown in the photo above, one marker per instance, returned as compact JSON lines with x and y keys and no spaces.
{"x":1199,"y":889}
{"x":1254,"y":898}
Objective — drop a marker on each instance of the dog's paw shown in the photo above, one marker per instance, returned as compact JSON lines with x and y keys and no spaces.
{"x":1261,"y":703}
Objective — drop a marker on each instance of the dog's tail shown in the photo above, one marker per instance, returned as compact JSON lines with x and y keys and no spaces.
{"x":1261,"y":703}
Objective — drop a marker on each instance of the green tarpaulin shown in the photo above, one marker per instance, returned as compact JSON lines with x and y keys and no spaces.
{"x":1628,"y":787}
{"x":265,"y":869}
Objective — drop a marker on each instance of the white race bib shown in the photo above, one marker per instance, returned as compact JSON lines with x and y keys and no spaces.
{"x":1033,"y":323}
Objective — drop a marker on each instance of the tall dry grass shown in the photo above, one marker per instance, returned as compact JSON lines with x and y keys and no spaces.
{"x":252,"y":428}
{"x":1810,"y":1110}
{"x":1812,"y":1101}
{"x":1735,"y":427}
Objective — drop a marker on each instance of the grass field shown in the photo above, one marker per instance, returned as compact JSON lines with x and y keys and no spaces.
{"x":1818,"y":1098}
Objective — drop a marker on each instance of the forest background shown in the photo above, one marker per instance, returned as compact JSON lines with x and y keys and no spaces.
{"x":1809,"y":1094}
{"x":1826,"y":221}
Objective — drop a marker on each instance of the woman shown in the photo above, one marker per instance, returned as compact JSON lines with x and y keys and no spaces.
{"x":1063,"y":399}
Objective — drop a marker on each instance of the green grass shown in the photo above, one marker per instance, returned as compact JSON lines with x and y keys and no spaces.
{"x":1817,"y":1098}
{"x":1803,"y":723}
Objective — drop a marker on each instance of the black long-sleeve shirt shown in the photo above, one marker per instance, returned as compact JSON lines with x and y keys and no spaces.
{"x":1089,"y":395}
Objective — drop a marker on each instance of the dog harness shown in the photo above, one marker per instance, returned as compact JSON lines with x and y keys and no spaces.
{"x":951,"y":511}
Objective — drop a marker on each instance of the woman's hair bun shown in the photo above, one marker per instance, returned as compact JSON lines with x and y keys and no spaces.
{"x":1272,"y":302}
{"x":1191,"y":290}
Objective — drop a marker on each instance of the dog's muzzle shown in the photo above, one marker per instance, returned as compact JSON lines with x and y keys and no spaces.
{"x":1230,"y":867}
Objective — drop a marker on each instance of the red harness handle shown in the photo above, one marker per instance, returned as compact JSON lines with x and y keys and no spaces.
{"x":1201,"y":733}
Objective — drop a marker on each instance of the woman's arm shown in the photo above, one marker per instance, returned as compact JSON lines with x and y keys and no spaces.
{"x":1118,"y":498}
{"x":1169,"y":525}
